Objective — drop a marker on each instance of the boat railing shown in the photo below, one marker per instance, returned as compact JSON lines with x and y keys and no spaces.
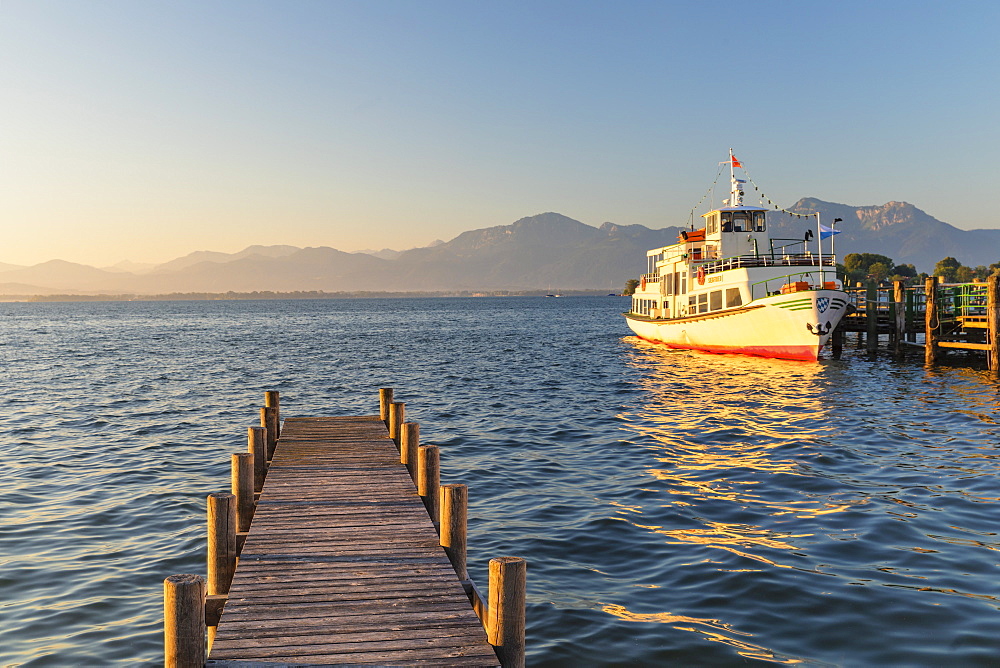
{"x":754,"y":261}
{"x":650,"y":278}
{"x":773,"y":286}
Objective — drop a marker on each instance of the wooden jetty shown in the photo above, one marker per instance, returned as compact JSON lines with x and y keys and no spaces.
{"x":338,"y":546}
{"x":935,"y":316}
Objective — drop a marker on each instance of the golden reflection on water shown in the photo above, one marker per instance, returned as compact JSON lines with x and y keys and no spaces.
{"x":713,"y":629}
{"x":709,"y":416}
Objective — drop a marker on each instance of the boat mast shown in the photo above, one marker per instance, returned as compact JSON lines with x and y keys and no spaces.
{"x":735,"y":192}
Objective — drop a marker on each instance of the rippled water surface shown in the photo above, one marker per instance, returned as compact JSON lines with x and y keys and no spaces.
{"x":674,"y":507}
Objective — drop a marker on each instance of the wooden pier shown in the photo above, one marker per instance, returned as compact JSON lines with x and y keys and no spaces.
{"x":351,"y":553}
{"x":955,"y":317}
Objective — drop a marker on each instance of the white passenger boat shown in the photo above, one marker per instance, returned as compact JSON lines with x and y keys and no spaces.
{"x":730,"y":288}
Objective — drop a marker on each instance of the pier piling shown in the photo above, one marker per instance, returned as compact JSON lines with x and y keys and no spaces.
{"x":184,"y":621}
{"x":931,"y":320}
{"x":409,"y":441}
{"x":993,"y":320}
{"x":508,"y":579}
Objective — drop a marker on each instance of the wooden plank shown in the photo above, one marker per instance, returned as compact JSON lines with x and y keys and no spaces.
{"x":963,"y":345}
{"x":343,"y":565}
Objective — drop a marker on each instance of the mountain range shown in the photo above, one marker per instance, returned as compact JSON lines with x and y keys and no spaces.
{"x":547,"y":251}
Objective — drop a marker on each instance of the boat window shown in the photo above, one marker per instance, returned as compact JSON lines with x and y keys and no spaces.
{"x":684,"y":283}
{"x":712,"y":226}
{"x":758,"y":220}
{"x":733,"y":297}
{"x":715,"y":300}
{"x":698,"y":303}
{"x":741,"y":222}
{"x":727,"y":221}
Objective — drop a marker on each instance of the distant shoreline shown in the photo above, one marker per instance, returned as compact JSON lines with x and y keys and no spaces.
{"x":299,"y":295}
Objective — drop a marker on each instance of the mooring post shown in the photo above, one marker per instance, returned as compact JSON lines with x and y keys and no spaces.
{"x":837,"y":341}
{"x":993,"y":320}
{"x":184,"y":621}
{"x":242,"y":482}
{"x":221,"y":542}
{"x":899,"y":327}
{"x":454,"y":502}
{"x":871,"y":316}
{"x":270,"y":424}
{"x":507,"y":602}
{"x":257,"y":444}
{"x":272,"y":399}
{"x":384,"y":400}
{"x":409,"y":441}
{"x":397,"y":415}
{"x":429,"y":479}
{"x":931,"y":320}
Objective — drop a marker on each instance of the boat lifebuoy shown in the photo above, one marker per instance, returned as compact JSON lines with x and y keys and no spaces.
{"x":701,"y":275}
{"x":643,"y":284}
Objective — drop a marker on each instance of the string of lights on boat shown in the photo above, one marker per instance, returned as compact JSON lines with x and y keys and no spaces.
{"x":763,"y":198}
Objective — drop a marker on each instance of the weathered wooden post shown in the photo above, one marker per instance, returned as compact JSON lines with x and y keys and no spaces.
{"x":272,"y":399}
{"x":409,"y":441}
{"x":507,"y":602}
{"x":257,"y":444}
{"x":993,"y":320}
{"x":454,"y":503}
{"x":242,"y":482}
{"x":269,"y":422}
{"x":184,"y":621}
{"x":837,"y":341}
{"x":931,"y":320}
{"x":384,"y":400}
{"x":429,"y":479}
{"x":898,"y":299}
{"x":871,"y":316}
{"x":221,"y":542}
{"x":397,"y":415}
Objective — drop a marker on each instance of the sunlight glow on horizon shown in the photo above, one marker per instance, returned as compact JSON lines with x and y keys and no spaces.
{"x":145,"y":132}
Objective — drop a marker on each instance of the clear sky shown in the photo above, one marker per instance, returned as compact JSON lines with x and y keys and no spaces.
{"x":144,"y":130}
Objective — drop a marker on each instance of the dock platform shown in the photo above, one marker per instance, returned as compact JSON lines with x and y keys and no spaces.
{"x":342,"y":564}
{"x":338,"y":546}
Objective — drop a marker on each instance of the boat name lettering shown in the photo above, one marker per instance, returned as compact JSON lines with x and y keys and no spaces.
{"x":715,"y":279}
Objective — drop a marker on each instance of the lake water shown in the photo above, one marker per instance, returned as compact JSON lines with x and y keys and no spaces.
{"x":674,"y":507}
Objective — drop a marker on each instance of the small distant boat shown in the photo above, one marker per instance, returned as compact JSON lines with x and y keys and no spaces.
{"x":727,"y":288}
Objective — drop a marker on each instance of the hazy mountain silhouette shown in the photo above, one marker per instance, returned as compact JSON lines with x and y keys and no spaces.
{"x":546,"y":251}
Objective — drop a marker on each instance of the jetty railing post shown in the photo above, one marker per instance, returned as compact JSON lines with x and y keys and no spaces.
{"x":899,"y":327}
{"x":397,"y":415}
{"x":429,"y":479}
{"x":221,"y":542}
{"x":184,"y":621}
{"x":268,"y":422}
{"x":871,"y":316}
{"x":454,"y":502}
{"x":993,"y":320}
{"x":384,"y":400}
{"x":257,"y":444}
{"x":931,"y":320}
{"x":272,"y":399}
{"x":409,"y":441}
{"x":911,"y":325}
{"x":242,"y":481}
{"x":507,"y":602}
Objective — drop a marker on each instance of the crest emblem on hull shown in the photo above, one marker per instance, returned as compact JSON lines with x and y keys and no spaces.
{"x":823,"y":303}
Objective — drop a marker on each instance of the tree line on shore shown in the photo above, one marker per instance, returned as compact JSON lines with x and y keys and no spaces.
{"x":865,"y":266}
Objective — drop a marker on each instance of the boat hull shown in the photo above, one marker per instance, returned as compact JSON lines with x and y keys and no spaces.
{"x":793,"y":326}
